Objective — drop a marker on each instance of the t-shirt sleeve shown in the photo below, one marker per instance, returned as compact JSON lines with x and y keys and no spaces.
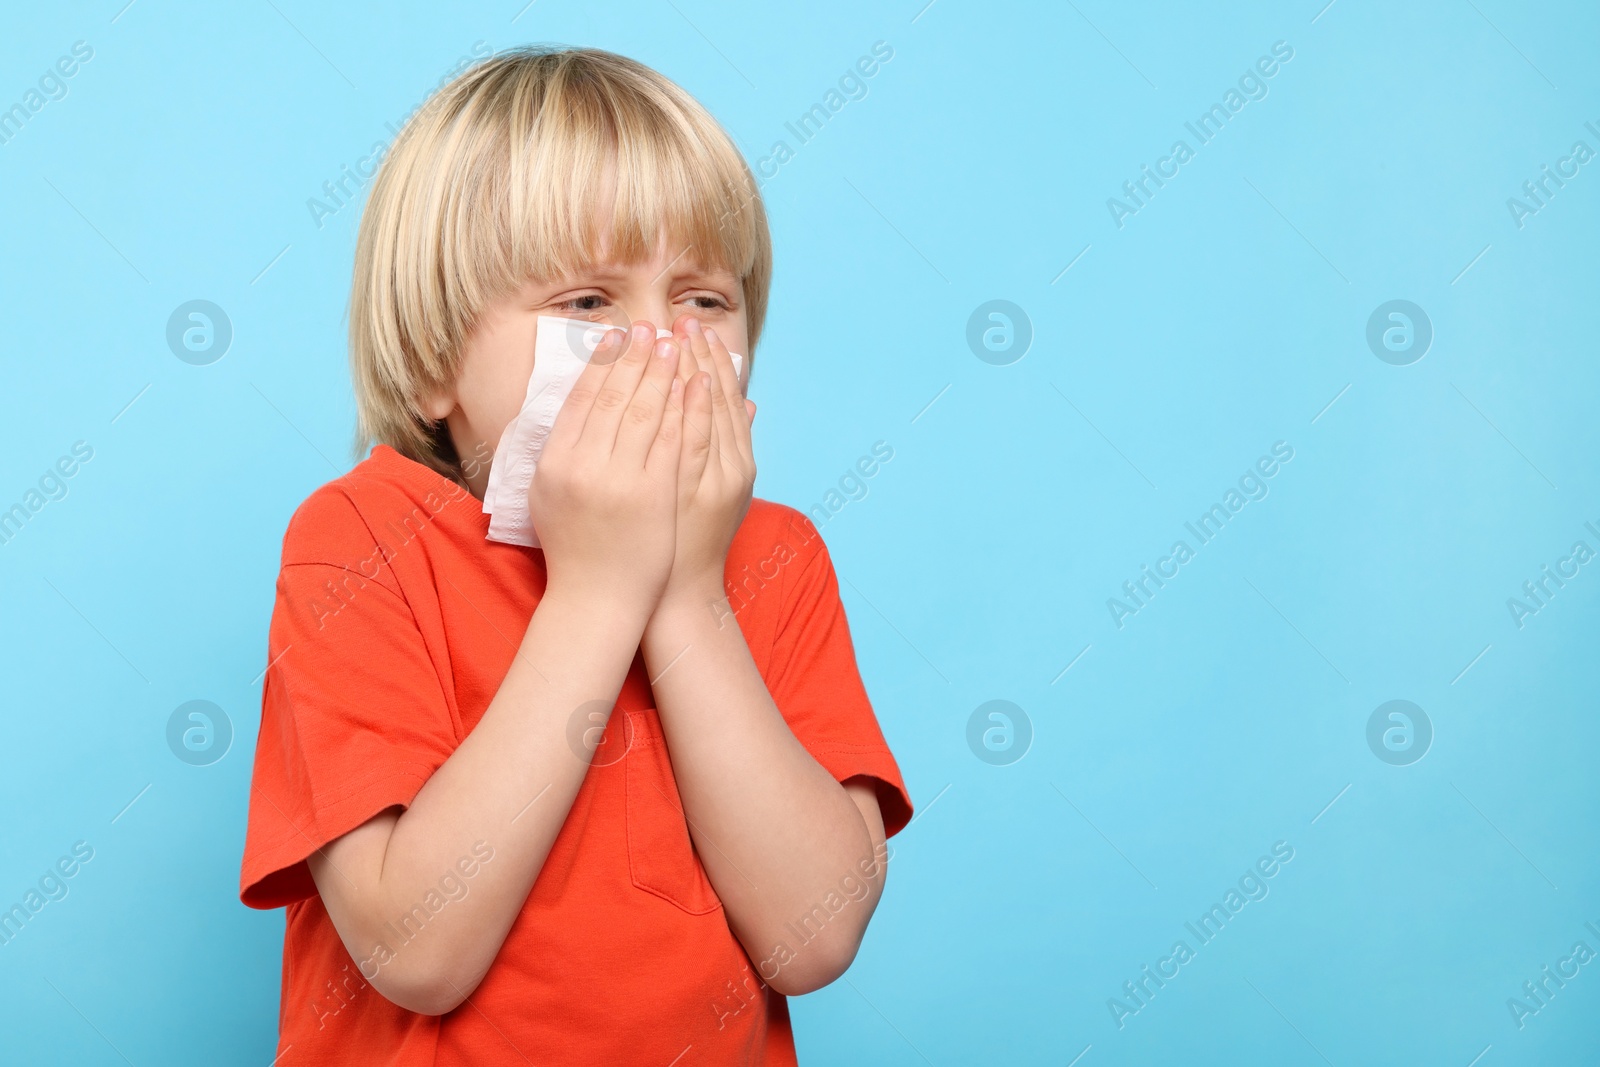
{"x":354,"y":718}
{"x":814,"y":680}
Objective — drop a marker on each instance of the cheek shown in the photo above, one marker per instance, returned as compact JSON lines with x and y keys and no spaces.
{"x":492,"y":385}
{"x":733,"y":335}
{"x":740,"y":342}
{"x":488,"y":418}
{"x":734,"y":332}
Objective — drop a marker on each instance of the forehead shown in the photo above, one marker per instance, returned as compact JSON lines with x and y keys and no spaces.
{"x":673,"y":256}
{"x":689,"y":229}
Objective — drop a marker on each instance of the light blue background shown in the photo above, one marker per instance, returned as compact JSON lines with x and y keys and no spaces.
{"x":1224,"y":316}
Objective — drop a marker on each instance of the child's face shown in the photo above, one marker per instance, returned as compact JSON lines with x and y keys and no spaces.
{"x":497,"y":360}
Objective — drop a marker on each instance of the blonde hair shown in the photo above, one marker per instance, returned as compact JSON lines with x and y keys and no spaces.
{"x":501,"y":177}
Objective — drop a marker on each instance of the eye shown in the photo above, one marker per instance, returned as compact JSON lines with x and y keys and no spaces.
{"x":708,"y":302}
{"x":586,"y":302}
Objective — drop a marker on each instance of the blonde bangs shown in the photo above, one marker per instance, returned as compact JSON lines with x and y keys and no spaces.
{"x":520,"y":169}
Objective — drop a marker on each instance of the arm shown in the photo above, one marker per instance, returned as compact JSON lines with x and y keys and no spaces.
{"x":774,"y":830}
{"x":603,"y":498}
{"x":776,"y":833}
{"x":373,"y":875}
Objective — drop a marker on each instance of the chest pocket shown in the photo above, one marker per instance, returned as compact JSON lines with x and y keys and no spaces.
{"x":661,"y":855}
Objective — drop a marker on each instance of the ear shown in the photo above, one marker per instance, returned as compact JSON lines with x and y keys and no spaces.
{"x":438,"y":404}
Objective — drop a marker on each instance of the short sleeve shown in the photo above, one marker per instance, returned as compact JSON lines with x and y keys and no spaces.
{"x":815,"y":682}
{"x":354,"y":718}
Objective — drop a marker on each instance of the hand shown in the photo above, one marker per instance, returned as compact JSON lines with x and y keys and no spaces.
{"x":717,"y":467}
{"x":605,"y":494}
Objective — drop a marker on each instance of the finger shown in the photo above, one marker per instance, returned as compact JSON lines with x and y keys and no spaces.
{"x":741,"y":410}
{"x":665,"y":451}
{"x":696,"y":357}
{"x":721,"y":430}
{"x":738,"y":380}
{"x":697,"y":432}
{"x":642,"y":419}
{"x":728,"y":375}
{"x":733,"y":426}
{"x":615,"y":393}
{"x":568,"y":427}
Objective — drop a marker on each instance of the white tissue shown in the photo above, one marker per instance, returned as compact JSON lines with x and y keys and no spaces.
{"x":561,"y":350}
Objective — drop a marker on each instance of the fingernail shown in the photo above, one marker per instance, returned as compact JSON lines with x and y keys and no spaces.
{"x":694,"y":326}
{"x":641,"y":335}
{"x":665,"y":348}
{"x":711,"y":335}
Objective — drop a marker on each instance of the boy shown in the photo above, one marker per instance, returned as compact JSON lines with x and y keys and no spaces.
{"x":612,"y":799}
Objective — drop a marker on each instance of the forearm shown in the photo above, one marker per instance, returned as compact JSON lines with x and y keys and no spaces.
{"x":775,"y":831}
{"x":510,"y":784}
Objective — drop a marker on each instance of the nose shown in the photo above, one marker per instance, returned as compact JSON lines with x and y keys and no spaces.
{"x":656,"y":311}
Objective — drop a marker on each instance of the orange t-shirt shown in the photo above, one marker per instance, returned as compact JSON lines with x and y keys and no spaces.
{"x":395,"y":622}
